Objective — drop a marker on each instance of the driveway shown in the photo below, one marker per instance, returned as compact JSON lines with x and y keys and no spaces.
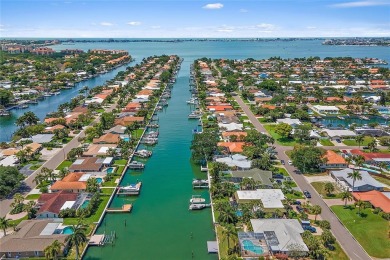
{"x":327,"y":178}
{"x":351,"y":247}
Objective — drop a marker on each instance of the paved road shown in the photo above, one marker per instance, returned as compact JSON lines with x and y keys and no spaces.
{"x":351,"y":247}
{"x":52,"y":163}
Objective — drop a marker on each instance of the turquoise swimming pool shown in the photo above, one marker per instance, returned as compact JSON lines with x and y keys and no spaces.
{"x":85,"y":204}
{"x":99,"y":180}
{"x":126,"y":139}
{"x":110,"y":170}
{"x":67,"y":231}
{"x":249,"y":246}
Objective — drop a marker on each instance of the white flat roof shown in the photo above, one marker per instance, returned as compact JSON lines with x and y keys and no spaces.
{"x":319,"y":107}
{"x":85,"y":177}
{"x":68,"y":204}
{"x":49,"y":229}
{"x":271,"y":198}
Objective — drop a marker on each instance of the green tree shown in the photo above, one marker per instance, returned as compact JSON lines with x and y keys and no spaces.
{"x":360,"y":205}
{"x":10,"y":179}
{"x":359,"y":139}
{"x":6,"y":97}
{"x":52,"y":251}
{"x":346,"y":196}
{"x":229,"y":231}
{"x":354,"y":175}
{"x":283,"y":130}
{"x":77,"y":237}
{"x":307,"y":158}
{"x":372,"y":145}
{"x":327,"y":238}
{"x":4,"y":224}
{"x":329,"y":188}
{"x":316,"y":210}
{"x":92,"y":185}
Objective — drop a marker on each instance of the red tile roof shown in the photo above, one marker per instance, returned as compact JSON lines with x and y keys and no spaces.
{"x":376,"y":198}
{"x":52,"y":202}
{"x":334,"y":158}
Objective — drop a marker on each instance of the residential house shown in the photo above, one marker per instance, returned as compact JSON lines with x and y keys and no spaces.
{"x":376,"y":198}
{"x":232,"y":147}
{"x":367,"y":183}
{"x":128,"y":120}
{"x":31,"y":238}
{"x":325,"y":109}
{"x":95,"y":150}
{"x":240,"y":135}
{"x":70,"y":183}
{"x":108,"y":138}
{"x":271,"y":199}
{"x":333,"y":161}
{"x":372,"y":158}
{"x":237,"y":161}
{"x":264,"y":177}
{"x":87,"y":164}
{"x":336,"y":134}
{"x":50,"y":204}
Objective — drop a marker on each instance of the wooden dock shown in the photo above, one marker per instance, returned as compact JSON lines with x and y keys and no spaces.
{"x":126,"y":208}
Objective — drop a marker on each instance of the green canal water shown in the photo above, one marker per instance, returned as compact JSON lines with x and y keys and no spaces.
{"x":160,"y":225}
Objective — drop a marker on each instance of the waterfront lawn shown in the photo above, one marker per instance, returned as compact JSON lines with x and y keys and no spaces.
{"x":281,"y":140}
{"x":352,"y":142}
{"x":371,"y":230}
{"x":32,"y":197}
{"x":110,"y":183}
{"x":120,"y":169}
{"x":64,"y":164}
{"x":120,"y":162}
{"x":137,"y":133}
{"x":319,"y":186}
{"x":326,"y":142}
{"x":95,"y":216}
{"x":223,"y":243}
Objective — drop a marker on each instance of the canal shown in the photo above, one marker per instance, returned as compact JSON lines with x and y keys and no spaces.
{"x":50,"y":104}
{"x":160,"y":225}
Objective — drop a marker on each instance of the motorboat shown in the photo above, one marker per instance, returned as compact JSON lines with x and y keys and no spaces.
{"x":197,"y":199}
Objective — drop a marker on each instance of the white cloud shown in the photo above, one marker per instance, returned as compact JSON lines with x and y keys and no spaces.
{"x":243,"y":10}
{"x":106,"y":24}
{"x":225,"y":28}
{"x":213,"y":6}
{"x":266,"y":26}
{"x":134,"y":23}
{"x":360,"y":4}
{"x":311,"y":27}
{"x":155,"y":27}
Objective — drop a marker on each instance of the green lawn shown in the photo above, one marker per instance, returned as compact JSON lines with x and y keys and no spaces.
{"x":295,"y":195}
{"x":110,"y":183}
{"x":32,"y":196}
{"x":94,"y":217}
{"x":338,"y":253}
{"x":120,"y":162}
{"x":352,"y":142}
{"x":137,"y":133}
{"x":320,"y":188}
{"x":120,"y":169}
{"x":64,"y":164}
{"x":281,"y":140}
{"x":35,"y":167}
{"x":223,"y":243}
{"x":326,"y":142}
{"x":283,"y":171}
{"x":371,"y":230}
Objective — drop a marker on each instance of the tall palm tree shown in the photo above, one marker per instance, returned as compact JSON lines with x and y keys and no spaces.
{"x":360,"y":205}
{"x":49,"y":173}
{"x":4,"y":224}
{"x":359,"y":139}
{"x":354,"y":175}
{"x":53,"y":250}
{"x":346,"y":196}
{"x":316,"y":210}
{"x":359,"y":160}
{"x":39,"y":178}
{"x":229,"y":231}
{"x":77,"y":237}
{"x":63,"y":172}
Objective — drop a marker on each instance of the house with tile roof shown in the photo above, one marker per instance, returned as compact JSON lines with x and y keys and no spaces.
{"x":87,"y":164}
{"x":50,"y":204}
{"x":31,"y":238}
{"x":108,"y":138}
{"x":232,"y":147}
{"x":128,"y":120}
{"x":70,"y":183}
{"x":376,"y":198}
{"x":95,"y":150}
{"x":333,"y":161}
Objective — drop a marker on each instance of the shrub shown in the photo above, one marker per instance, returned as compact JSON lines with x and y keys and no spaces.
{"x":376,"y":210}
{"x":324,"y":224}
{"x":17,"y":209}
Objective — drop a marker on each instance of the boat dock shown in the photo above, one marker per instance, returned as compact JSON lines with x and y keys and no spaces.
{"x":136,"y":165}
{"x":101,"y":240}
{"x":126,"y":208}
{"x":132,"y":189}
{"x":200,"y":184}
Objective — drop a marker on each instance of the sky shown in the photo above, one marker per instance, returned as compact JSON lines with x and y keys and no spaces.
{"x":194,"y":18}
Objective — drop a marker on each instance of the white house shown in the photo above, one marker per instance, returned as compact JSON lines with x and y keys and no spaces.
{"x":325,"y":109}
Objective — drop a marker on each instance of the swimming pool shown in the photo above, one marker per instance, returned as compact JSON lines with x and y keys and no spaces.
{"x":67,"y":231}
{"x":126,"y":139}
{"x":239,"y":213}
{"x":249,"y":246}
{"x":110,"y":170}
{"x":99,"y":180}
{"x":85,"y":204}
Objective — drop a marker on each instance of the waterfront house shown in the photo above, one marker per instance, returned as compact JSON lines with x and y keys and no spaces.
{"x":371,"y":132}
{"x":118,"y":129}
{"x":232,"y":147}
{"x":87,"y":164}
{"x":237,"y":161}
{"x":240,"y":135}
{"x":271,"y":199}
{"x":70,"y":183}
{"x":51,"y":129}
{"x":219,"y":108}
{"x":325,"y":109}
{"x":128,"y":120}
{"x":376,"y":198}
{"x":42,"y":138}
{"x":290,"y":121}
{"x":231,"y":127}
{"x":333,"y":161}
{"x":281,"y":234}
{"x":31,"y":238}
{"x":132,"y":107}
{"x":382,"y":110}
{"x":372,"y":158}
{"x":108,"y":138}
{"x":258,"y":175}
{"x":367,"y":183}
{"x":100,"y":150}
{"x":50,"y":204}
{"x":336,"y":134}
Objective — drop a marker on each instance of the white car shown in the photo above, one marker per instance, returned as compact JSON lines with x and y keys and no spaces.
{"x":289,"y":162}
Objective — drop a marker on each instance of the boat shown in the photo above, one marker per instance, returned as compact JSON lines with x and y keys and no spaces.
{"x":57,"y":93}
{"x":143,"y":153}
{"x":364,"y":118}
{"x":46,"y":94}
{"x":192,"y":101}
{"x":197,"y":199}
{"x":200,"y":184}
{"x":194,"y":115}
{"x":132,"y":189}
{"x":198,"y":206}
{"x":4,"y":113}
{"x":341,"y":117}
{"x":136,"y":165}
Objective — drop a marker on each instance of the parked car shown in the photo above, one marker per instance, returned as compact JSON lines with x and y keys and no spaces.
{"x":297,"y":202}
{"x":289,"y":162}
{"x":279,"y":181}
{"x":277,"y":176}
{"x":282,"y":162}
{"x":338,"y":140}
{"x":307,"y":194}
{"x":299,"y":209}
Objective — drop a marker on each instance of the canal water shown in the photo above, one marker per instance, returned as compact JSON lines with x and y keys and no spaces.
{"x":160,"y":225}
{"x":347,"y":121}
{"x":50,"y":104}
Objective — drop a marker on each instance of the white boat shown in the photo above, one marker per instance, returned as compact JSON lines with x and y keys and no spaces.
{"x":136,"y":165}
{"x":192,"y":101}
{"x":197,"y":199}
{"x":143,"y":153}
{"x":198,"y":206}
{"x":132,"y":189}
{"x":46,"y":94}
{"x":200,"y":182}
{"x":57,"y":93}
{"x":194,"y":115}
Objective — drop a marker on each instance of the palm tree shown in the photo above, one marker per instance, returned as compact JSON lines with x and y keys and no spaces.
{"x":382,"y":166}
{"x":63,"y":172}
{"x":359,"y":160}
{"x":4,"y":224}
{"x":329,"y":188}
{"x":360,"y":205}
{"x":316,"y":210}
{"x":53,"y":250}
{"x":28,"y":150}
{"x":346,"y":196}
{"x":372,"y":145}
{"x":77,"y":237}
{"x":228,"y":231}
{"x":359,"y":139}
{"x":39,"y":178}
{"x":49,"y":173}
{"x":354,"y":175}
{"x":18,"y":199}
